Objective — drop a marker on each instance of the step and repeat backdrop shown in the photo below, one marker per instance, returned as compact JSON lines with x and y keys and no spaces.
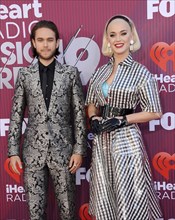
{"x":81,"y":25}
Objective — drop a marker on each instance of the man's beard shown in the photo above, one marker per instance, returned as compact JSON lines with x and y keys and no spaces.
{"x":52,"y":55}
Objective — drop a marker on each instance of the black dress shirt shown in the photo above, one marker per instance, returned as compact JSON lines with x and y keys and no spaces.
{"x":47,"y":82}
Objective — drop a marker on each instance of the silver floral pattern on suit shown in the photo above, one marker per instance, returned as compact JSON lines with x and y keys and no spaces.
{"x":51,"y":137}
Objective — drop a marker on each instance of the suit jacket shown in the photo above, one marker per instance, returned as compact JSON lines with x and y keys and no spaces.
{"x":60,"y":131}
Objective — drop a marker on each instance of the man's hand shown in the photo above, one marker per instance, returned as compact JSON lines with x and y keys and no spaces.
{"x":75,"y":162}
{"x":15,"y":162}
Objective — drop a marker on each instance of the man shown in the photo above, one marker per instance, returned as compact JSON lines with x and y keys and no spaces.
{"x":54,"y":140}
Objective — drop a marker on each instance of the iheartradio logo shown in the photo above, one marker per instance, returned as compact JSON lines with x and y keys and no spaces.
{"x":163,"y":163}
{"x":10,"y":172}
{"x":161,"y":53}
{"x":83,"y":212}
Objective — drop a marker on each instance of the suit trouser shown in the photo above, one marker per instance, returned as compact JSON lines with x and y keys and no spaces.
{"x":36,"y":184}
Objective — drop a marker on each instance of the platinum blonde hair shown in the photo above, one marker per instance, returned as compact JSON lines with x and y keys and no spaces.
{"x":135,"y":46}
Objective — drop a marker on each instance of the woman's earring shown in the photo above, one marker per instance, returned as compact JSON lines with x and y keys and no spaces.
{"x":109,"y":48}
{"x":131,"y":45}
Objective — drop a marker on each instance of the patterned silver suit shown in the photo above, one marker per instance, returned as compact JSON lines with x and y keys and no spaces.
{"x":51,"y":137}
{"x":121,"y":184}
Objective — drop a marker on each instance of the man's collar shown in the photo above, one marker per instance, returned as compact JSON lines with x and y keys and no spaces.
{"x":51,"y":66}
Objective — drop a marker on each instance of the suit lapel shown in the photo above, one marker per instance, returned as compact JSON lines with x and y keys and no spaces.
{"x":36,"y":84}
{"x":57,"y":82}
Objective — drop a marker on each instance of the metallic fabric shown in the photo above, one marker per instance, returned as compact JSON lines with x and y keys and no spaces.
{"x":121,"y":186}
{"x":51,"y":137}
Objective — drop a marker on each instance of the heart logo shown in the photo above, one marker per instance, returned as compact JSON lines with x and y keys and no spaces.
{"x":11,"y":173}
{"x":83,"y":212}
{"x":161,"y":53}
{"x":163,"y":163}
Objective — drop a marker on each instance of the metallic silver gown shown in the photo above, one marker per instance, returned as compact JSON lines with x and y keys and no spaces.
{"x":121,"y":185}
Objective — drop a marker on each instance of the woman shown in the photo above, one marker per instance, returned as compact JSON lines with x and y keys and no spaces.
{"x":121,"y":184}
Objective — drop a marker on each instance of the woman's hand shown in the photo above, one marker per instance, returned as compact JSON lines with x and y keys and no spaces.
{"x":95,"y":124}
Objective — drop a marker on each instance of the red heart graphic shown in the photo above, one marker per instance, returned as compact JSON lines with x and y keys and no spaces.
{"x":83,"y":212}
{"x":161,"y":53}
{"x":162,"y":162}
{"x":11,"y":173}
